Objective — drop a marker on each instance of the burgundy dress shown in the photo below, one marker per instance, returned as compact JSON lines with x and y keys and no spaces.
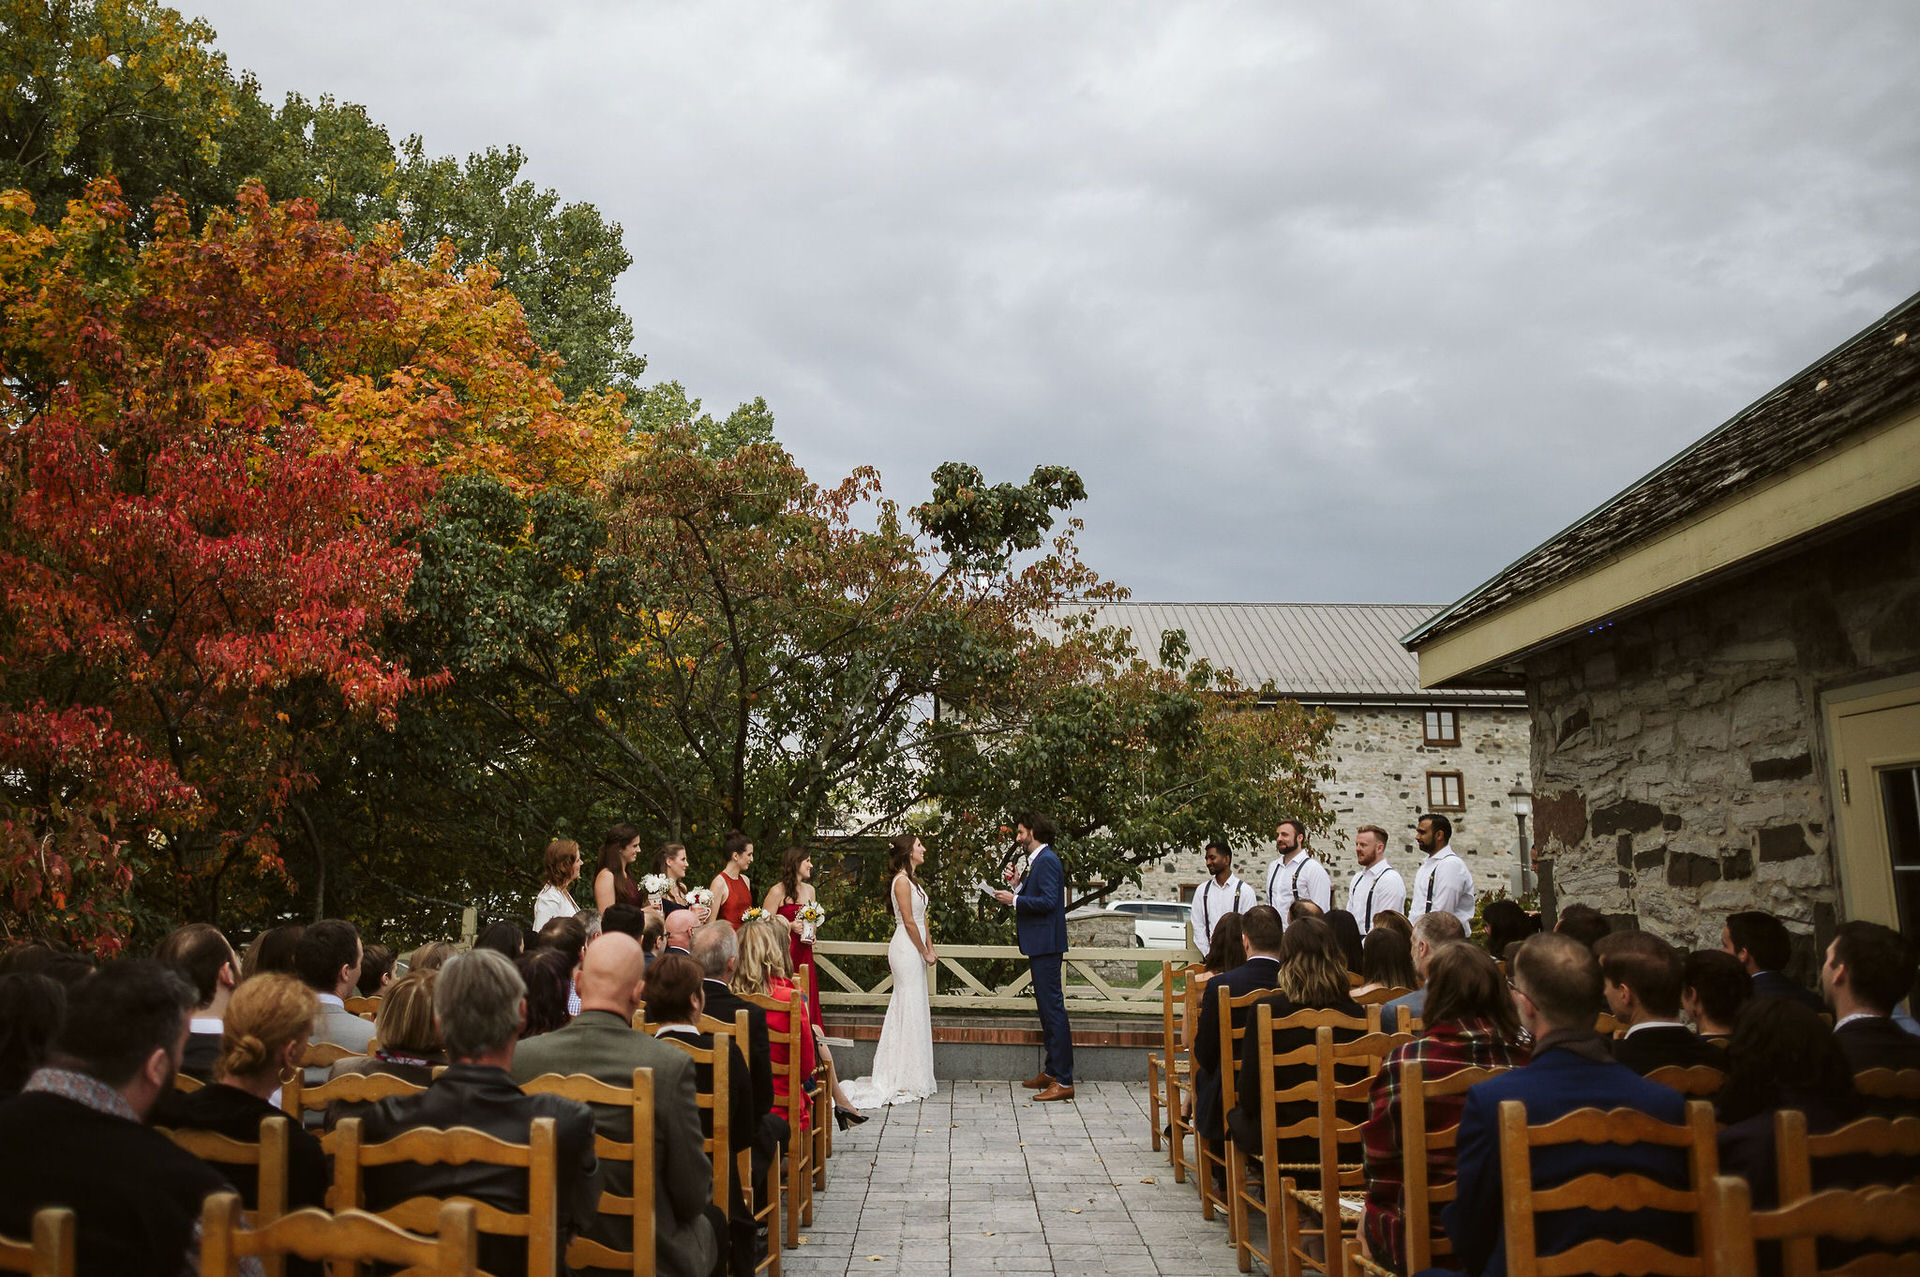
{"x":802,"y":955}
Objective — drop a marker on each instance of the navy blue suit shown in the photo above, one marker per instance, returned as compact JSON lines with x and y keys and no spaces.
{"x":1040,"y":922}
{"x":1774,"y":984}
{"x":1556,"y":1083}
{"x":1254,"y":973}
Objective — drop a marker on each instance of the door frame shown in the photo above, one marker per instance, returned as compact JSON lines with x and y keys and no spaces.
{"x":1845,"y":702}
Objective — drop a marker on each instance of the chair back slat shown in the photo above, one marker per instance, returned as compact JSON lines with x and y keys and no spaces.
{"x":715,"y":1102}
{"x":50,"y":1251}
{"x":636,"y":1152}
{"x":1885,"y":1217}
{"x":1699,"y":1081}
{"x":1418,"y":1142}
{"x":1627,"y":1191}
{"x":347,"y":1239}
{"x":348,"y":1088}
{"x":1888,"y":1084}
{"x":458,"y":1146}
{"x":269,"y":1154}
{"x":1380,"y":997}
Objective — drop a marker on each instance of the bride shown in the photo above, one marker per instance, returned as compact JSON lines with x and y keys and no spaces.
{"x":903,"y":1062}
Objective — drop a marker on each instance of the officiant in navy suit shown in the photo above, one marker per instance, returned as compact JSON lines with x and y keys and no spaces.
{"x":1040,"y":921}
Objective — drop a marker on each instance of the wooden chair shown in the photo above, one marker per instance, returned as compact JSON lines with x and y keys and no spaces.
{"x":1179,"y":1084}
{"x":1599,"y":1191}
{"x":1899,"y":1088}
{"x":1206,"y":1157}
{"x":365,"y":1008}
{"x":324,"y":1055}
{"x":1605,"y":1023}
{"x":1698,"y":1081}
{"x":636,"y":1152}
{"x":1342,"y":1162}
{"x":1795,"y":1151}
{"x":186,"y":1083}
{"x":1170,"y":1071}
{"x":1243,"y":1203}
{"x":298,"y":1099}
{"x":1886,"y":1217}
{"x":1422,"y":1196}
{"x":713,"y":1103}
{"x":425,"y":1146}
{"x":50,"y":1253}
{"x":799,"y":1159}
{"x":819,"y":1093}
{"x":1379,"y":997}
{"x":268,"y":1156}
{"x":346,"y":1240}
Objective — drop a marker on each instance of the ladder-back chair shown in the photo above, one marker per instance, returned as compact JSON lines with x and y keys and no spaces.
{"x":50,"y":1251}
{"x":345,"y":1240}
{"x":634,"y":1103}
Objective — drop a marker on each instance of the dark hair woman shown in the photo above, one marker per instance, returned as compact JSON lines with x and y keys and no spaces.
{"x":1470,"y":1023}
{"x":1507,"y":924}
{"x":611,"y":881}
{"x":1386,"y":962}
{"x":1225,"y":951}
{"x":547,"y":974}
{"x":1313,"y":977}
{"x":272,"y":950}
{"x":785,"y":899}
{"x":502,"y":937}
{"x":1346,"y":929}
{"x":670,"y":862}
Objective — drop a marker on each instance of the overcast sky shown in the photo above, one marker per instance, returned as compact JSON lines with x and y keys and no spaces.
{"x":1330,"y":302}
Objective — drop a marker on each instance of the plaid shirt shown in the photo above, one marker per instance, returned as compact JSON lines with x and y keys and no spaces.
{"x":1442,"y":1050}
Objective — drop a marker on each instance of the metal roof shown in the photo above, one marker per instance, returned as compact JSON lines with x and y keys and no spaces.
{"x":1860,"y":384}
{"x":1315,"y":652}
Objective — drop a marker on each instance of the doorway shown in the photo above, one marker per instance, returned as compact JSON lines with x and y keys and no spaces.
{"x":1874,"y":734}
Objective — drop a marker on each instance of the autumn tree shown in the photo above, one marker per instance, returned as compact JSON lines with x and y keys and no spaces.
{"x":218,"y":446}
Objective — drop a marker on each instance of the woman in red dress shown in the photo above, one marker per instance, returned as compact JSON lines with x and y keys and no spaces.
{"x":732,"y":893}
{"x":784,"y":899}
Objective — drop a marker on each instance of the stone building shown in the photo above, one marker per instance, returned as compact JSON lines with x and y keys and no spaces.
{"x":1396,"y":750}
{"x":1723,"y":665}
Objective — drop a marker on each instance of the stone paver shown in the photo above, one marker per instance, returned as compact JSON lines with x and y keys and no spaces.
{"x":978,"y":1181}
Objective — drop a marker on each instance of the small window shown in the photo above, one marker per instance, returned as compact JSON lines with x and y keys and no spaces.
{"x":1443,"y":727}
{"x":1446,"y":791}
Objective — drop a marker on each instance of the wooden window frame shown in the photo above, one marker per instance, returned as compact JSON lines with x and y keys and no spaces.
{"x":1428,"y":721}
{"x":1437,"y":803}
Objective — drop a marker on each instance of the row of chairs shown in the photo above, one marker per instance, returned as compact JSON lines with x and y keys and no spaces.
{"x":792,"y":1180}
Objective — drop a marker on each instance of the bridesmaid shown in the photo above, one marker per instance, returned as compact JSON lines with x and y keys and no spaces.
{"x":670,"y":862}
{"x":611,"y":883}
{"x":784,"y":899}
{"x":732,"y":892}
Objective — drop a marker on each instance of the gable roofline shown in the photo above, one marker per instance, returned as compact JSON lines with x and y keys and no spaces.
{"x":1840,"y":399}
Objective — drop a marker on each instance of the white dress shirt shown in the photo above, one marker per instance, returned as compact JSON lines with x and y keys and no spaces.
{"x":1444,"y":882}
{"x":1215,"y":901}
{"x":552,"y":902}
{"x":1301,"y":878}
{"x":1377,"y":889}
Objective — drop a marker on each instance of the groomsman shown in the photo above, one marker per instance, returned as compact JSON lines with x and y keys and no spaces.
{"x":1296,"y":875}
{"x":1223,"y":893}
{"x":1378,"y":887}
{"x":1444,"y":881}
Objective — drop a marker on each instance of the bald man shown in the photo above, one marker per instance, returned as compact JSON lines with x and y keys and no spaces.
{"x":602,"y":1043}
{"x":680,"y":927}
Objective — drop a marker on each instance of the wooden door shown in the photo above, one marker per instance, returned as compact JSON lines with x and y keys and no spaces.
{"x":1875,"y":785}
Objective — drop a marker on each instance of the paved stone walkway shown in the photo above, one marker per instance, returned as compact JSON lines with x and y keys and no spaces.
{"x":978,"y":1180}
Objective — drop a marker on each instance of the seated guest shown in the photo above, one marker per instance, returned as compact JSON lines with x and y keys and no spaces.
{"x":1260,"y":939}
{"x":1303,"y":908}
{"x":272,"y":950}
{"x":601,"y":1043}
{"x":1642,"y":974}
{"x":1583,"y":923}
{"x":481,"y":1004}
{"x":1470,"y":1024}
{"x":1386,"y":962}
{"x":76,"y":1136}
{"x":1558,"y":992}
{"x":549,"y":980}
{"x":504,"y":938}
{"x":1781,"y":1056}
{"x":328,"y":959}
{"x":265,"y":1030}
{"x":1868,"y":969}
{"x":1434,"y":928}
{"x":430,"y":956}
{"x":202,"y":955}
{"x":1312,"y":977}
{"x":568,"y":938}
{"x":675,"y":999}
{"x":1713,"y":988}
{"x":1225,"y":952}
{"x":653,"y":935}
{"x":716,"y":947}
{"x":679,"y":931}
{"x":410,"y":1046}
{"x":1394,"y":920}
{"x":32,"y":1008}
{"x":376,"y":970}
{"x":1346,"y":930}
{"x":624,"y":919}
{"x":1507,"y":924}
{"x":1763,"y":947}
{"x":590,"y":920}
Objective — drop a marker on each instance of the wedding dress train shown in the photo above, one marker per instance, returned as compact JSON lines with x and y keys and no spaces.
{"x":903,"y":1062}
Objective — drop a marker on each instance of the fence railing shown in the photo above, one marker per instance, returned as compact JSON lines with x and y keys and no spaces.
{"x":1108,"y":981}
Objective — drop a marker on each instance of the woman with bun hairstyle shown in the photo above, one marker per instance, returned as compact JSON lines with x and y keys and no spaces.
{"x":670,"y":862}
{"x":262,"y":1039}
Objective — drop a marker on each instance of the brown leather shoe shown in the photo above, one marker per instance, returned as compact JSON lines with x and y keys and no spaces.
{"x":1054,"y":1092}
{"x":1039,"y":1082}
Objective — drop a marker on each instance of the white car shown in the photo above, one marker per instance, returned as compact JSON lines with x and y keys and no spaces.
{"x":1157,"y":924}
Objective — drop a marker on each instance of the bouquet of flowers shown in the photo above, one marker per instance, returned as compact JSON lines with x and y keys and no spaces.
{"x":655,"y":885}
{"x":755,"y":914}
{"x":810,"y":916}
{"x":700,"y":898}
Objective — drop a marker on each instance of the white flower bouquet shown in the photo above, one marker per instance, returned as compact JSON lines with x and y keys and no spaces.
{"x":810,"y":915}
{"x":655,"y":885}
{"x":755,"y":914}
{"x":700,"y":898}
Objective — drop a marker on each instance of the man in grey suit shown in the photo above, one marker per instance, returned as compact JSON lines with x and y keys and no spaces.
{"x":601,"y":1043}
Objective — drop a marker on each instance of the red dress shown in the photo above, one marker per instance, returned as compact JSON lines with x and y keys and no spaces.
{"x":781,"y":988}
{"x":801,"y":954}
{"x":739,"y":900}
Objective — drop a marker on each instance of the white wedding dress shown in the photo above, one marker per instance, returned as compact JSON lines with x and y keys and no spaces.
{"x":903,"y":1062}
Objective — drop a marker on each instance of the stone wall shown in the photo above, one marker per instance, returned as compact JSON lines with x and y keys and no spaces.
{"x":1380,"y":763}
{"x":1679,"y":770}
